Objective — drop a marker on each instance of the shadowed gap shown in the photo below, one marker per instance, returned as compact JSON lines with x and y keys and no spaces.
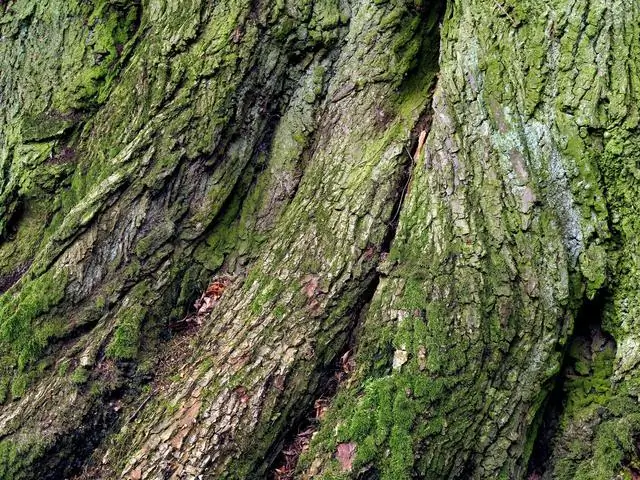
{"x":588,"y":332}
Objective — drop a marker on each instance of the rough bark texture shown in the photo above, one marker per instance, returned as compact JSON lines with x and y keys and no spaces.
{"x":447,"y":189}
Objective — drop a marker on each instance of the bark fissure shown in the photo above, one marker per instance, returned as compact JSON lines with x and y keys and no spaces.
{"x":587,"y":341}
{"x":336,"y":373}
{"x":331,"y":381}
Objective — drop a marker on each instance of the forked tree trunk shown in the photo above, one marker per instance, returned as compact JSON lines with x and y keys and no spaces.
{"x":418,"y":218}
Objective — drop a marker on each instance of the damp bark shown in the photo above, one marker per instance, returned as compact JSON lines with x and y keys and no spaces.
{"x":465,"y":170}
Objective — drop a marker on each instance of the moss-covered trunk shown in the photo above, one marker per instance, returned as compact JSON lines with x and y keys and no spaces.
{"x":319,"y":239}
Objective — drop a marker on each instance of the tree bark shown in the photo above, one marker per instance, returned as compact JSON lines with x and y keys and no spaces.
{"x":420,"y":214}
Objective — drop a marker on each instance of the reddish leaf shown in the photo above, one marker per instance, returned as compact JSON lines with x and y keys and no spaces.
{"x":311,"y":284}
{"x":242,"y":394}
{"x":345,"y":455}
{"x":136,"y":474}
{"x":216,"y":289}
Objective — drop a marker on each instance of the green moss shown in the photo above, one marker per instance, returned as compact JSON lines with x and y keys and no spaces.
{"x":63,"y":369}
{"x":23,"y":339}
{"x":593,"y":263}
{"x":593,"y":406}
{"x":19,"y":386}
{"x":593,"y":386}
{"x":80,"y":376}
{"x":125,"y":342}
{"x":111,"y":26}
{"x":267,"y":294}
{"x":205,"y":366}
{"x":155,"y":239}
{"x":171,"y":408}
{"x":45,"y":126}
{"x":16,"y":459}
{"x":18,"y":252}
{"x":97,"y":389}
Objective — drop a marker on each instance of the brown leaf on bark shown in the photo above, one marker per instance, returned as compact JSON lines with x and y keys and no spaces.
{"x":421,"y":140}
{"x":210,"y":297}
{"x":321,"y":406}
{"x":311,"y":283}
{"x":241,"y":392}
{"x":136,"y":474}
{"x":345,"y":455}
{"x":217,"y":288}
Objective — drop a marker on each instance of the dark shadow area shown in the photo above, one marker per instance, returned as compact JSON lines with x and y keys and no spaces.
{"x":588,"y":337}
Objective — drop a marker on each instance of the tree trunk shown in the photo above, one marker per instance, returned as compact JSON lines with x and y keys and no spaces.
{"x":340,"y":239}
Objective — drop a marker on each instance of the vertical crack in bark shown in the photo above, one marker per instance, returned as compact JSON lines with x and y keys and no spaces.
{"x":417,"y":140}
{"x":587,"y":342}
{"x":296,"y":438}
{"x":283,"y":465}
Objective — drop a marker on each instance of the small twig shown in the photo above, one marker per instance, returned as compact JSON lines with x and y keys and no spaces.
{"x":501,"y":7}
{"x":135,"y":414}
{"x":421,"y":140}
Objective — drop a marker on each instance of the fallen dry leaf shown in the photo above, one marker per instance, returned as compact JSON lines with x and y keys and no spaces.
{"x":311,"y":284}
{"x":204,"y":305}
{"x":321,"y":406}
{"x":217,"y":288}
{"x":421,"y":140}
{"x":136,"y":474}
{"x":345,"y":454}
